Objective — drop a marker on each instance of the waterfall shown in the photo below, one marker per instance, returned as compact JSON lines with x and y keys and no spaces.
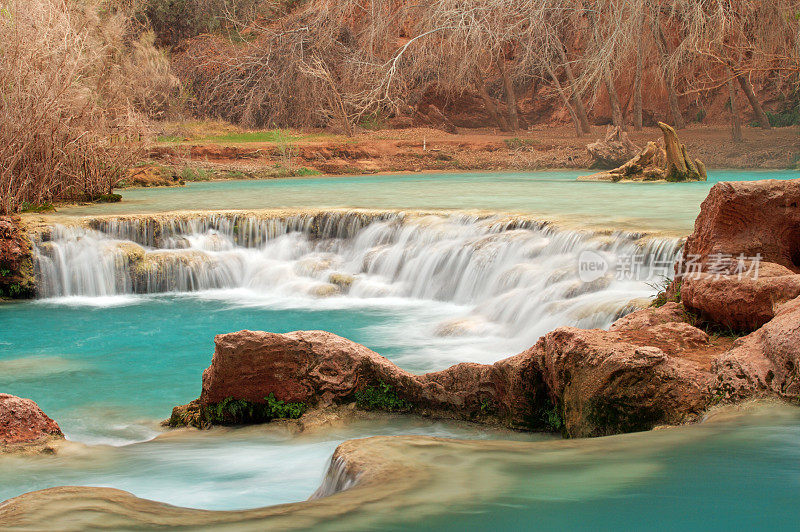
{"x":519,"y":277}
{"x":338,"y":478}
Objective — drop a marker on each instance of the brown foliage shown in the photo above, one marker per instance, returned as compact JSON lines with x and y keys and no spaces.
{"x":69,"y":85}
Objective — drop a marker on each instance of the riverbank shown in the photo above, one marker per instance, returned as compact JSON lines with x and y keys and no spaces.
{"x":208,"y":152}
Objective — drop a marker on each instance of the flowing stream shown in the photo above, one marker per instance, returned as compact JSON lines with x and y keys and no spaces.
{"x":128,"y":306}
{"x":513,"y":279}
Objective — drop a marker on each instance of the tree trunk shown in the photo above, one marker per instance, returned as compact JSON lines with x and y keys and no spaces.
{"x":577,"y":103}
{"x":511,"y":99}
{"x":637,"y":88}
{"x":736,"y":119}
{"x":489,"y":104}
{"x":669,"y":79}
{"x":747,"y":87}
{"x":565,"y":100}
{"x":616,"y":111}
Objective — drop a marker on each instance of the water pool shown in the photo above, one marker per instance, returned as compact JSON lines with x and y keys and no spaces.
{"x":550,"y":195}
{"x":109,"y":363}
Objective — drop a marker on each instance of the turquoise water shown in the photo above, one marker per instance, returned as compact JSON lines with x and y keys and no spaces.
{"x":551,"y":195}
{"x":745,"y":476}
{"x":110,"y":370}
{"x":219,"y":469}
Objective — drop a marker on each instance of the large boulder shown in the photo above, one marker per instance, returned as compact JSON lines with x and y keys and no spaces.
{"x":23,"y":425}
{"x":314,"y":367}
{"x":750,"y":217}
{"x":320,"y":369}
{"x":742,"y":261}
{"x":652,"y":370}
{"x":608,"y":382}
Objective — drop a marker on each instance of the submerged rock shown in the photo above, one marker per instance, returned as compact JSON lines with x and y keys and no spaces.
{"x":24,"y":427}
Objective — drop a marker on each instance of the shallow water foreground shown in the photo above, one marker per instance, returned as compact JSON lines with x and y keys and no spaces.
{"x":740,"y":470}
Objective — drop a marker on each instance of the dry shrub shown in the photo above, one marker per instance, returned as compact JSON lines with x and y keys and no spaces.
{"x":318,"y":66}
{"x":258,"y":84}
{"x":68,"y":126}
{"x":151,"y":85}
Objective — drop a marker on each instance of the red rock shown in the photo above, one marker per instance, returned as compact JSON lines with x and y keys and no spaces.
{"x":747,"y":219}
{"x":22,"y":423}
{"x":319,"y":369}
{"x":670,"y":312}
{"x":740,"y":304}
{"x":637,"y":376}
{"x":611,"y":382}
{"x":750,"y":217}
{"x":765,"y":362}
{"x":302,"y":366}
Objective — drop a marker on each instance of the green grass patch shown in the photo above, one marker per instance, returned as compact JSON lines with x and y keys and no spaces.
{"x":660,"y":298}
{"x":169,"y":138}
{"x":36,"y":207}
{"x":273,"y":135}
{"x":381,"y":397}
{"x":304,"y":171}
{"x":190,"y":173}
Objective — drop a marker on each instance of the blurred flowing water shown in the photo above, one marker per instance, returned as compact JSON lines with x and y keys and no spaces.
{"x":128,"y":309}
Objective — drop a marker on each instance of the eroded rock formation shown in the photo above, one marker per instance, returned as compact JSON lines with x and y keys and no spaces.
{"x":742,"y":261}
{"x":651,"y":369}
{"x":668,"y":162}
{"x":320,"y":369}
{"x":16,"y":260}
{"x":23,"y":425}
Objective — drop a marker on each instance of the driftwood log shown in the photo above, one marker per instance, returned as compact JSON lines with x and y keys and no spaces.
{"x":614,"y":150}
{"x":669,"y":162}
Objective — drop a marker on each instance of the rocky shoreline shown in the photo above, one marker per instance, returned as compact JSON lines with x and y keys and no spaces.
{"x":722,"y":332}
{"x":724,"y":335}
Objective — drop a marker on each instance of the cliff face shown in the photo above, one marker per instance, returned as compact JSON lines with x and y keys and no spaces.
{"x":650,"y":368}
{"x":16,"y":260}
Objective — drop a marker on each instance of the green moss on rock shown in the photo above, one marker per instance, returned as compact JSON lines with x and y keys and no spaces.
{"x":232,"y":411}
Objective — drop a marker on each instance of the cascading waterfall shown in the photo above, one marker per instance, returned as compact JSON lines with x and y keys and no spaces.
{"x":338,"y":478}
{"x":516,"y":277}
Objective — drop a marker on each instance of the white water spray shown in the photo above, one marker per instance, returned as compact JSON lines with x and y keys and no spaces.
{"x":512,"y":278}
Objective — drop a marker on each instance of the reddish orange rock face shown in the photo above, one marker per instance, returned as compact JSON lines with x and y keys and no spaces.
{"x":744,"y":220}
{"x":22,"y":422}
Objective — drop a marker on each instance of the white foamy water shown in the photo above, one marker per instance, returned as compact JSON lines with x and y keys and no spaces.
{"x":477,"y":284}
